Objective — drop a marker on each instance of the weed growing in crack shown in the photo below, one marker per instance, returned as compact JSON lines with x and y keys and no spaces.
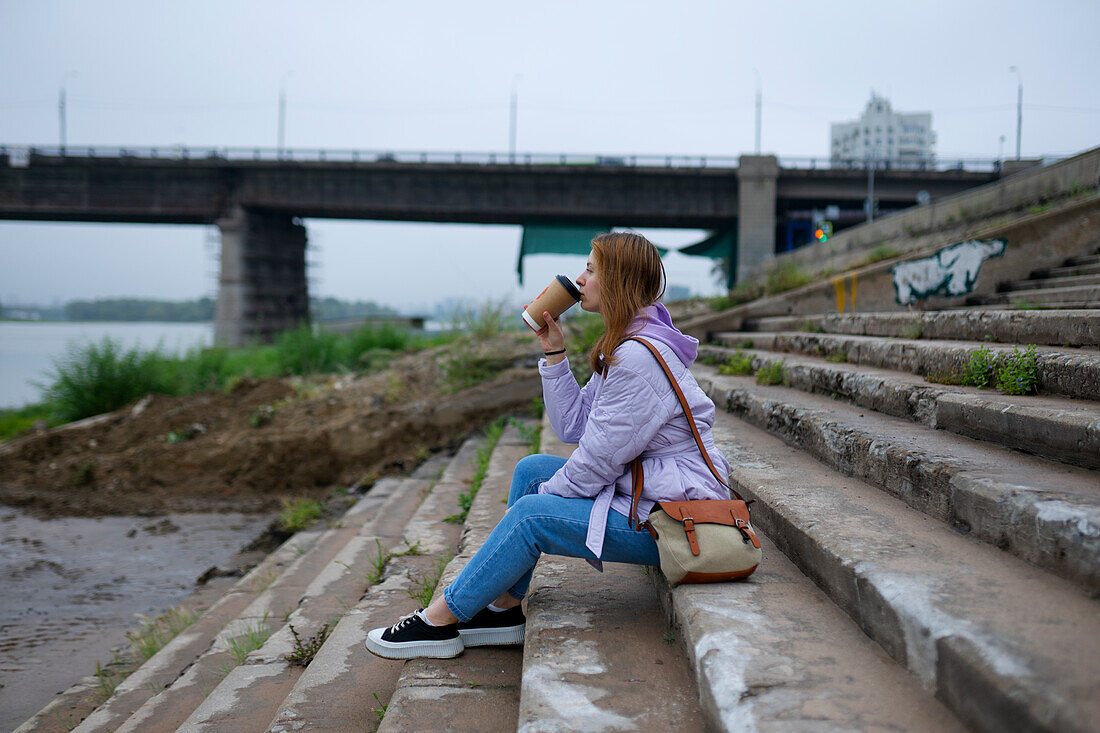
{"x":424,"y":587}
{"x":305,"y":651}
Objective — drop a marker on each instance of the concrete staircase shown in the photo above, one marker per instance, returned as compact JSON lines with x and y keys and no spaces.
{"x":1075,"y":284}
{"x":931,"y":564}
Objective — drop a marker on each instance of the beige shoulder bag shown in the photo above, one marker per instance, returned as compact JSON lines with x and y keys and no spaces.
{"x":707,"y":541}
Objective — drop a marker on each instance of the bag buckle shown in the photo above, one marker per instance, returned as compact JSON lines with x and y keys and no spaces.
{"x":747,"y":536}
{"x":689,"y":530}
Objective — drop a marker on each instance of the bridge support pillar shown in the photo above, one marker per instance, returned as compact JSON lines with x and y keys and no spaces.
{"x":756,"y":185}
{"x":262,"y":286}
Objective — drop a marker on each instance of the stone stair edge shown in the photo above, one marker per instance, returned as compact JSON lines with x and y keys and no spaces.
{"x":422,"y":680}
{"x":1071,"y":372}
{"x":174,"y":700}
{"x":326,"y":678}
{"x":1054,"y":523}
{"x":1052,"y":427}
{"x":1077,"y":327}
{"x":267,"y":677}
{"x":936,"y":607}
{"x":254,"y":688}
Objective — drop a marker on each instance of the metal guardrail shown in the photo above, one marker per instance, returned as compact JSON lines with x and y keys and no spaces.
{"x":19,"y":156}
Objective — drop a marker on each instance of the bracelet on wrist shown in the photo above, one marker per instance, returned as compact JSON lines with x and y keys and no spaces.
{"x":553,"y":353}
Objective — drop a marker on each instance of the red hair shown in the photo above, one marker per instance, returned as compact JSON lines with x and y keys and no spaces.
{"x":631,"y":276}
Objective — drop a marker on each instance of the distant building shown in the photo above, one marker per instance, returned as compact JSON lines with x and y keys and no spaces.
{"x":895,"y":139}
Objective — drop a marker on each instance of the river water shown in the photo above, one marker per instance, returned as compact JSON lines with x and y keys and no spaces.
{"x":29,"y":349}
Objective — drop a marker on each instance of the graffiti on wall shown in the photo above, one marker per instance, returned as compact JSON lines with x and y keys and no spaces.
{"x":951,"y":271}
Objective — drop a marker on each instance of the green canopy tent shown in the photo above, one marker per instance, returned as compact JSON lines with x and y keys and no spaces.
{"x":576,"y":239}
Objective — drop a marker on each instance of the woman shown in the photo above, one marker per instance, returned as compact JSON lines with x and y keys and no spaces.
{"x":579,"y":507}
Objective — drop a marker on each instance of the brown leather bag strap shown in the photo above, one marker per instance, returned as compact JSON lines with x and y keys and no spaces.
{"x":636,"y":464}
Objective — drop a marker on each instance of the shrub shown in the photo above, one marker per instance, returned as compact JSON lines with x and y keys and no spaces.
{"x":101,"y":377}
{"x":739,"y":364}
{"x":297,"y":513}
{"x":979,"y":369}
{"x":771,"y":373}
{"x":21,"y":419}
{"x":1018,"y":372}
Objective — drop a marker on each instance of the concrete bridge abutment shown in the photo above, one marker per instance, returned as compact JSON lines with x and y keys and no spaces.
{"x":262,"y":287}
{"x":757,"y":178}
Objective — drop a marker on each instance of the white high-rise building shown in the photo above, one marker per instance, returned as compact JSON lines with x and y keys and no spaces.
{"x":895,"y":139}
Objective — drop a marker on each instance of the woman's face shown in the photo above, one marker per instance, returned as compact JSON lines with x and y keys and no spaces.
{"x":589,"y":284}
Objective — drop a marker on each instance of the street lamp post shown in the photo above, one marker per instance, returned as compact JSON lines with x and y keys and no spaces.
{"x":758,"y":100}
{"x":61,"y":112}
{"x":282,"y":113}
{"x":512,"y":119}
{"x":1019,"y":107}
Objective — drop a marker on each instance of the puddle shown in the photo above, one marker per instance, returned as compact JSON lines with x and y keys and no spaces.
{"x":72,"y":587}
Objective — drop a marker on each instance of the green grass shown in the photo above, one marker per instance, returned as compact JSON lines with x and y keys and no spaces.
{"x":249,"y":640}
{"x":786,"y":277}
{"x":466,"y":498}
{"x":739,"y":364}
{"x":21,"y":419}
{"x":1016,"y":373}
{"x":880,"y":253}
{"x":424,"y":587}
{"x":156,"y":632}
{"x":100,"y":377}
{"x":297,"y":514}
{"x":772,"y":373}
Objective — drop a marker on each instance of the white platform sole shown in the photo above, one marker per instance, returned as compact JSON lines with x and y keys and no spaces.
{"x":443,"y":649}
{"x":508,"y":635}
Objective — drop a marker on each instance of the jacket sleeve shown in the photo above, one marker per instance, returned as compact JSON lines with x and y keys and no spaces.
{"x":625,"y":418}
{"x":567,"y":404}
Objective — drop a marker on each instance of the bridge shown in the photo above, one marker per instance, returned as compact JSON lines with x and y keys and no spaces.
{"x":258,"y":197}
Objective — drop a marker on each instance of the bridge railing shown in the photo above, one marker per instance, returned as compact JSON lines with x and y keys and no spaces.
{"x":20,"y":155}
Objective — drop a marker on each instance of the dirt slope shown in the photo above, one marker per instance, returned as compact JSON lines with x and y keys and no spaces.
{"x":248,"y":448}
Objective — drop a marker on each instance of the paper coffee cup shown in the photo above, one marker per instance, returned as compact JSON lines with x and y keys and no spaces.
{"x":556,"y":298}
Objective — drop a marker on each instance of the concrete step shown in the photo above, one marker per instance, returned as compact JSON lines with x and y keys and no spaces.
{"x":1005,"y":645}
{"x":774,"y":653}
{"x":1058,"y":306}
{"x":599,"y":653}
{"x":170,"y":707}
{"x":1093,"y":259}
{"x":166,"y":665}
{"x":1064,"y":371}
{"x":1063,"y":281}
{"x":346,"y":687}
{"x":1049,"y":327}
{"x":479,"y":690}
{"x":1051,"y":427}
{"x":248,"y":697}
{"x":1044,"y":512}
{"x":1070,"y":270}
{"x":1088,"y":294}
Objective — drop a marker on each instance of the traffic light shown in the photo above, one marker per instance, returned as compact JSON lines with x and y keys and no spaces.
{"x":824,"y":231}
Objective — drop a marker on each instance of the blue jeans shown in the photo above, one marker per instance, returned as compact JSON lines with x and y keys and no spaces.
{"x":534,"y":524}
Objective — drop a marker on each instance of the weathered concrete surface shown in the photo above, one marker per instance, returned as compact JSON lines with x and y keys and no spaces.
{"x":1067,"y":296}
{"x":1052,"y":328}
{"x":248,"y":697}
{"x":166,"y":665}
{"x":1006,"y":645}
{"x":1065,"y":371}
{"x":479,"y":690}
{"x":1052,"y":427}
{"x":1046,"y":513}
{"x":337,"y":691}
{"x":599,"y":654}
{"x":773,"y":653}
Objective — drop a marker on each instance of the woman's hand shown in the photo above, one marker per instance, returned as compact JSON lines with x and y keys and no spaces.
{"x":551,"y":338}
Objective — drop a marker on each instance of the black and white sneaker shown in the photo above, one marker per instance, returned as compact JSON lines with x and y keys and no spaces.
{"x":490,"y":627}
{"x":413,"y":637}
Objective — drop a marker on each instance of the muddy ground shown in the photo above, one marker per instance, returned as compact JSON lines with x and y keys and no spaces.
{"x":118,"y":515}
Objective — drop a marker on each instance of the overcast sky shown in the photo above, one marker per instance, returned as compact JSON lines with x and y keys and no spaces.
{"x":591,"y":77}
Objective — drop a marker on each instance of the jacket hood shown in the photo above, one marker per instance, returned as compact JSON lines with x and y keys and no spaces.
{"x":654,"y":322}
